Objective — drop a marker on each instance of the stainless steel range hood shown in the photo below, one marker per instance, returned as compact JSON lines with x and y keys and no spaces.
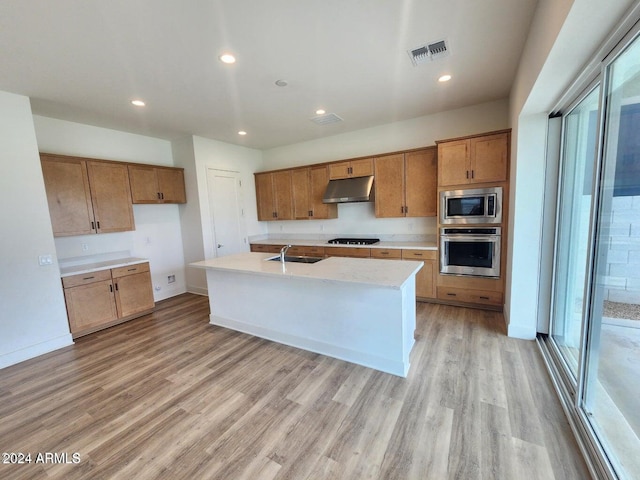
{"x":346,"y":190}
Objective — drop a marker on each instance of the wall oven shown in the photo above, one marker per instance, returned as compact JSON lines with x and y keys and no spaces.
{"x":471,"y":206}
{"x":471,"y":251}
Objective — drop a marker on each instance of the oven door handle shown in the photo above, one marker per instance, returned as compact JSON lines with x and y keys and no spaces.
{"x":470,"y":238}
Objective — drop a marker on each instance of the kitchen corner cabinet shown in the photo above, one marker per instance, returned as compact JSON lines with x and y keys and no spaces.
{"x":406,"y":184}
{"x":151,"y":184}
{"x":478,"y":159}
{"x":86,"y":196}
{"x":107,"y":297}
{"x":350,"y":169}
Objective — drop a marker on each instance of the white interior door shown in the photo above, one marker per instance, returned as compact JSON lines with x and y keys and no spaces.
{"x":225,"y":205}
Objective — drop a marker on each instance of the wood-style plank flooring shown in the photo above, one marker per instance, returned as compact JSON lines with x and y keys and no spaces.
{"x":170,"y":396}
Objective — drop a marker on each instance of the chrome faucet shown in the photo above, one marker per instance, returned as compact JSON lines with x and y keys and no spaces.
{"x":283,"y":252}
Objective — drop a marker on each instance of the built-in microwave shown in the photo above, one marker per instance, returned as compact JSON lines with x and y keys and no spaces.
{"x":474,"y":205}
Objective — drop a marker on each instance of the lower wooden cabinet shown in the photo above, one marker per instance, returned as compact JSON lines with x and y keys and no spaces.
{"x":479,"y":297}
{"x":263,"y":248}
{"x":355,"y":252}
{"x":426,"y":277}
{"x":104,"y":298}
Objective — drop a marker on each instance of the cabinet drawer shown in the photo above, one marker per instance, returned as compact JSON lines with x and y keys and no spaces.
{"x":296,"y":250}
{"x":392,"y":253}
{"x":129,"y":270}
{"x":313,"y":251}
{"x":259,"y":248}
{"x":481,"y":297}
{"x":86,"y":278}
{"x":419,"y":254}
{"x":348,"y":252}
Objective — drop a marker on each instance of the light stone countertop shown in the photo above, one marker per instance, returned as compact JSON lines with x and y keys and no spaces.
{"x":323,"y":243}
{"x":99,"y":265}
{"x":366,"y":271}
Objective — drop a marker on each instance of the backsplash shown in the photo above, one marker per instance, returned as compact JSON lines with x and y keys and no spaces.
{"x":356,"y":219}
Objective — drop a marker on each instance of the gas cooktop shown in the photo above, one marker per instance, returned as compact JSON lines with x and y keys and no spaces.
{"x":355,"y":241}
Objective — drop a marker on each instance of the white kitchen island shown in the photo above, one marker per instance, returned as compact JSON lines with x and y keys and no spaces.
{"x":359,"y":310}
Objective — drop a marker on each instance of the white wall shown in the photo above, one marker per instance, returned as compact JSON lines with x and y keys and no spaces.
{"x":196,"y":155}
{"x":415,"y":133}
{"x":33,"y":317}
{"x":157,"y":235}
{"x":563,"y":37}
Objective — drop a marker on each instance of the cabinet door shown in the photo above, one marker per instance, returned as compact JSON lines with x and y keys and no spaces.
{"x":144,"y":184}
{"x":134,"y":294}
{"x":489,"y":158}
{"x":362,"y":168}
{"x":421,"y":188}
{"x":427,"y":276}
{"x":111,"y":195}
{"x":301,"y":193}
{"x":319,"y":178}
{"x":283,"y":195}
{"x":425,"y":283}
{"x":68,"y":196}
{"x":171,"y":185}
{"x":453,"y":163}
{"x":389,"y":178}
{"x":264,"y":197}
{"x":339,"y":170}
{"x":90,"y":305}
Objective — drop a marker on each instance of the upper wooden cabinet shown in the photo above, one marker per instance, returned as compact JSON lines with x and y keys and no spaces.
{"x":274,"y":195}
{"x":353,"y":168}
{"x":151,"y":184}
{"x":87,"y":196}
{"x":478,"y":159}
{"x":301,"y":187}
{"x":309,"y":185}
{"x":293,"y":194}
{"x":318,"y":180}
{"x":406,"y":184}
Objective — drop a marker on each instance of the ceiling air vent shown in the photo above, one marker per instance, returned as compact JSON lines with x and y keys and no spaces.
{"x":428,"y":52}
{"x":326,"y":119}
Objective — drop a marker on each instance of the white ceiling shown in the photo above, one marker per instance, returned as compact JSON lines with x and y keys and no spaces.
{"x":85,"y":60}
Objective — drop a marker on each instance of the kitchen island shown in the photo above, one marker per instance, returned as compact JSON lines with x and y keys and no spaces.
{"x":359,"y":310}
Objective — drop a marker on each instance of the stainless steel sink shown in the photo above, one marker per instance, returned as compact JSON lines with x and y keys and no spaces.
{"x":296,"y":259}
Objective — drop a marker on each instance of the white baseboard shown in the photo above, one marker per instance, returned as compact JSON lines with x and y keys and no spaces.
{"x":353,"y":356}
{"x":198,"y":290}
{"x":521,"y":331}
{"x":33,"y":351}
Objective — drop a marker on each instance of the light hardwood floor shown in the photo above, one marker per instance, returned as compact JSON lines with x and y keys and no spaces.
{"x":170,"y":396}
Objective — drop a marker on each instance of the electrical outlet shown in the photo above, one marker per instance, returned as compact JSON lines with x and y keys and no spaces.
{"x":171,"y":279}
{"x":45,"y":260}
{"x":85,"y":247}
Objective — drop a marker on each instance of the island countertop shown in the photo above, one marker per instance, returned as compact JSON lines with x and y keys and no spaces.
{"x":367,"y":271}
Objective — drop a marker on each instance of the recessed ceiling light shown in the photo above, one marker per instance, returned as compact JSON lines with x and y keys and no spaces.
{"x":227,"y":58}
{"x":281,"y":83}
{"x":444,"y":78}
{"x":242,"y":132}
{"x":320,"y":112}
{"x":137,"y":103}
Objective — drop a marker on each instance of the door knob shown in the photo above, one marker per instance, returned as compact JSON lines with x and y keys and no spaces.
{"x":220,"y":245}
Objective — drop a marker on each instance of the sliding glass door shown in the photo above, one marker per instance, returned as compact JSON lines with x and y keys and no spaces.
{"x":575,"y":203}
{"x":595,"y":312}
{"x":612,"y":361}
